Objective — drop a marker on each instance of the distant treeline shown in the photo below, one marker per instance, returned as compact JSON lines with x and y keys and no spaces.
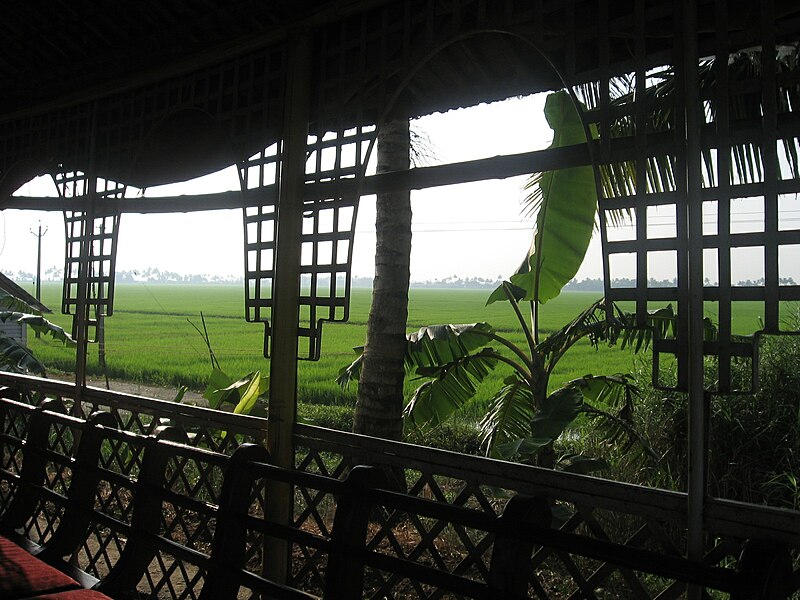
{"x":155,"y":275}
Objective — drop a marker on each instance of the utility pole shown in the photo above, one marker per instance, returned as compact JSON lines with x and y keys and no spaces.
{"x":39,"y":235}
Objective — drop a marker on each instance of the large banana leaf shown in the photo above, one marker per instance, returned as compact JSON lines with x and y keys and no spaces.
{"x":429,"y":348}
{"x":559,"y":410}
{"x":242,"y":393}
{"x":609,"y":402}
{"x":508,"y":419}
{"x":436,"y":345}
{"x":454,"y":385}
{"x":565,"y":202}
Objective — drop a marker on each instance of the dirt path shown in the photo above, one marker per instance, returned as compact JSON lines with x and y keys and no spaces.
{"x":142,"y":389}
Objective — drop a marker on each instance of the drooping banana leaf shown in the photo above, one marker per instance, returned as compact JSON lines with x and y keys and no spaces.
{"x":565,"y":202}
{"x":436,"y":345}
{"x":16,"y":299}
{"x":454,"y":384}
{"x":39,"y":324}
{"x":557,"y":411}
{"x":17,"y":358}
{"x":507,"y":419}
{"x":609,"y":402}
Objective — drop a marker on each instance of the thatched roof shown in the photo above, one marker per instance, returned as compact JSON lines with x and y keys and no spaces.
{"x":127,"y":66}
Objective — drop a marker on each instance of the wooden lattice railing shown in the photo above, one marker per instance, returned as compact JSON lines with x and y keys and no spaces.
{"x":635,"y":518}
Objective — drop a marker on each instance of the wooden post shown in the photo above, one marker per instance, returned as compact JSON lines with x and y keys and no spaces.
{"x":285,"y":293}
{"x":696,"y":484}
{"x":84,"y":271}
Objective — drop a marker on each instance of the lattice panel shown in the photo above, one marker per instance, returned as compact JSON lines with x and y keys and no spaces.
{"x":451,"y":548}
{"x":100,"y":239}
{"x":260,"y":231}
{"x":338,"y":160}
{"x":556,"y":574}
{"x":642,"y":190}
{"x":629,"y":515}
{"x":749,"y":173}
{"x":120,"y":456}
{"x":13,"y":428}
{"x":48,"y":515}
{"x":329,"y":230}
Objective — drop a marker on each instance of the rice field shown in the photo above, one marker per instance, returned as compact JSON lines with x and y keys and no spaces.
{"x":150,"y":337}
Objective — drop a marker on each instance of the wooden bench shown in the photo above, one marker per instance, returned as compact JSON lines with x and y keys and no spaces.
{"x":200,"y":514}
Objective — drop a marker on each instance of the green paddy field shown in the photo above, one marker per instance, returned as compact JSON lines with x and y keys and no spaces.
{"x":149,"y":338}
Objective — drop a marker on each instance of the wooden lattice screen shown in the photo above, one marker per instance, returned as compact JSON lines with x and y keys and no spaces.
{"x":748,"y":140}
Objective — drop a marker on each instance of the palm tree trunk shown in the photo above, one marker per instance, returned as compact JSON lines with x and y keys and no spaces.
{"x":380,"y":390}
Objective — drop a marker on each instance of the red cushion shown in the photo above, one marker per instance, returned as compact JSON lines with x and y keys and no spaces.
{"x":23,"y":575}
{"x":72,"y":595}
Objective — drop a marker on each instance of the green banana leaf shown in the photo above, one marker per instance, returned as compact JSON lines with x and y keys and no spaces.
{"x":17,"y":358}
{"x":565,"y":202}
{"x":11,"y":303}
{"x":454,"y":385}
{"x":242,"y":393}
{"x":507,"y":419}
{"x":252,"y":387}
{"x":217,"y":390}
{"x":39,"y":324}
{"x":430,"y":347}
{"x":558,"y":410}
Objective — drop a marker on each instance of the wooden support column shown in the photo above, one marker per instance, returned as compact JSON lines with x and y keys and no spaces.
{"x":285,"y":294}
{"x":696,"y":484}
{"x":84,"y":271}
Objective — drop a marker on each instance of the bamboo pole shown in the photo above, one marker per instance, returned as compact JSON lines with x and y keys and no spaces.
{"x":286,"y":292}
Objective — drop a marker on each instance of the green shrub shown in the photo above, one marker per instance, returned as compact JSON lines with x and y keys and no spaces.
{"x":754,"y":439}
{"x":324,"y":415}
{"x":454,"y":435}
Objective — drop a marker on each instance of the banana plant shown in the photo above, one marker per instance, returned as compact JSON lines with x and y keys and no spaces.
{"x":247,"y":395}
{"x":15,"y":356}
{"x":523,"y":418}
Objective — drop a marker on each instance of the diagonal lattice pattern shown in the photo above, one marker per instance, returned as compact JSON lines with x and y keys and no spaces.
{"x":637,"y":518}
